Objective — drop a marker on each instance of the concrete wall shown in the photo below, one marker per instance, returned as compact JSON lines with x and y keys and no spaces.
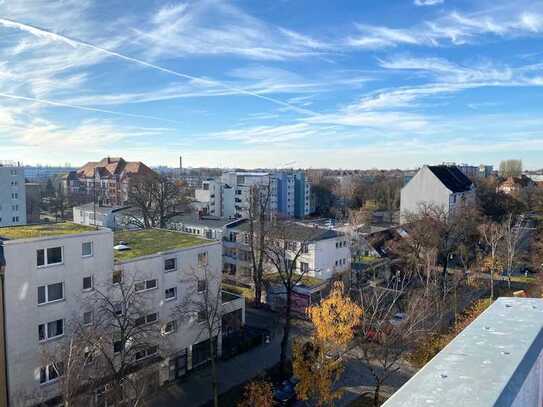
{"x":12,"y":196}
{"x":423,"y":189}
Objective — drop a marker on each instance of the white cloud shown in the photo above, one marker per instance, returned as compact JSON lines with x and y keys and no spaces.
{"x":428,"y":2}
{"x":211,"y":27}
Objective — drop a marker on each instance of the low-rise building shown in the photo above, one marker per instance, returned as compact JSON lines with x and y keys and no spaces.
{"x":52,"y":275}
{"x":93,"y":214}
{"x":514,"y":185}
{"x":443,"y":186}
{"x":325,"y":253}
{"x":210,"y":227}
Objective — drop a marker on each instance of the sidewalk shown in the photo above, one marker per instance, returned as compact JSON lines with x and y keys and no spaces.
{"x":196,"y":389}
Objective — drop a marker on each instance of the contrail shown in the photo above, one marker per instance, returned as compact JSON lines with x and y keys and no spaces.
{"x":42,"y":33}
{"x":91,"y":109}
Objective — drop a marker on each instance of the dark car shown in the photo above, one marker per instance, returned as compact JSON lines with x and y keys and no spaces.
{"x":285,"y":393}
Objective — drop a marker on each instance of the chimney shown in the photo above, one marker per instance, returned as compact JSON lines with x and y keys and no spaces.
{"x":180,"y":163}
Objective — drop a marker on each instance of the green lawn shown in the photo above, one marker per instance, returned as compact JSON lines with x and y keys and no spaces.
{"x":150,"y":241}
{"x":43,"y":230}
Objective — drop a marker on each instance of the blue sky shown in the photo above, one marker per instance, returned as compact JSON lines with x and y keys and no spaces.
{"x":342,"y":84}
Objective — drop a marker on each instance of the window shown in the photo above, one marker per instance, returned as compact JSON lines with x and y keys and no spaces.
{"x":145,"y":353}
{"x":50,"y":293}
{"x":118,"y":308}
{"x":202,"y":285}
{"x":15,"y":219}
{"x":48,"y":257}
{"x":88,"y":316}
{"x":305,"y":248}
{"x":170,"y":264}
{"x":202,"y":259}
{"x":117,"y":343}
{"x":170,"y":327}
{"x":50,"y":330}
{"x":14,"y":195}
{"x":170,"y":293}
{"x":201,"y":317}
{"x":292,"y":246}
{"x":116,"y":277}
{"x":86,"y":249}
{"x":87,"y":283}
{"x":145,"y":285}
{"x":50,"y":372}
{"x":147,"y":319}
{"x":304,"y":267}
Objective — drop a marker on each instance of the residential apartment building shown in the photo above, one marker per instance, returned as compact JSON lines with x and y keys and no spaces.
{"x":107,"y":180}
{"x":51,"y":277}
{"x":12,"y":195}
{"x":442,"y":186}
{"x":325,"y":253}
{"x":230,"y":196}
{"x":514,"y":185}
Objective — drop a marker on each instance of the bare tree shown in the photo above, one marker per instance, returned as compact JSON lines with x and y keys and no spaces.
{"x":124,"y":337}
{"x":156,"y":199}
{"x":283,"y":251}
{"x":512,"y":234}
{"x":386,"y":335}
{"x":492,"y":234}
{"x":202,"y":306}
{"x":258,"y":211}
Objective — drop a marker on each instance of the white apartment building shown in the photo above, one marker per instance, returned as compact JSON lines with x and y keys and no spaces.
{"x":325,"y":254}
{"x":50,"y":274}
{"x":442,"y":186}
{"x":12,"y":195}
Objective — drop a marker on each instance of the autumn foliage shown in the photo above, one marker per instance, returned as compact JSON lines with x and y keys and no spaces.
{"x":258,"y":393}
{"x":428,"y":349}
{"x":318,"y":363}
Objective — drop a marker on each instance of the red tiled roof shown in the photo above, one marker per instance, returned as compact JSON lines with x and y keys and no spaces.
{"x":113,"y":166}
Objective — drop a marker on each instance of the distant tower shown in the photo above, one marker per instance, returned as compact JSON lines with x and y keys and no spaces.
{"x":180,"y":171}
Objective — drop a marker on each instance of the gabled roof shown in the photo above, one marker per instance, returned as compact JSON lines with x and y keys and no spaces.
{"x":113,"y":166}
{"x":451,"y":177}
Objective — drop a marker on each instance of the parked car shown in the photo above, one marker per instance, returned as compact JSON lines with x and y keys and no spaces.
{"x":285,"y":393}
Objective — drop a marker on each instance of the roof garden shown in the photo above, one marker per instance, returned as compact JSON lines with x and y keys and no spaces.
{"x":43,"y":230}
{"x":151,"y":241}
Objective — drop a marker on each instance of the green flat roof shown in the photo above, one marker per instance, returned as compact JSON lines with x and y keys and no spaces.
{"x":151,"y":241}
{"x":43,"y":230}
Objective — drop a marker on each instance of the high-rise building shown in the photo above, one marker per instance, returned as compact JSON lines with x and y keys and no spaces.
{"x":229,"y":196}
{"x":12,"y":195}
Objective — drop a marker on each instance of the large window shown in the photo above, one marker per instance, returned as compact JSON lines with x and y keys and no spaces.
{"x":170,"y":293}
{"x":51,"y":330}
{"x":48,"y":257}
{"x":304,"y":267}
{"x":87,"y":283}
{"x":170,"y":264}
{"x":147,"y":319}
{"x":170,"y":327}
{"x":145,"y":353}
{"x":50,"y":293}
{"x":145,"y":285}
{"x":86,"y":249}
{"x":50,"y":372}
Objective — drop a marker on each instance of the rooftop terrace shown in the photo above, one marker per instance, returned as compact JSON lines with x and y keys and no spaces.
{"x":42,"y":230}
{"x":151,"y":241}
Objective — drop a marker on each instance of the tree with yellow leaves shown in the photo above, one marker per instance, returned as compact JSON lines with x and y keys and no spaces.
{"x":258,"y":393}
{"x":318,"y":363}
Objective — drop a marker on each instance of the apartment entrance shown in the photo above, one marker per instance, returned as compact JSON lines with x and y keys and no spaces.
{"x":178,"y":365}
